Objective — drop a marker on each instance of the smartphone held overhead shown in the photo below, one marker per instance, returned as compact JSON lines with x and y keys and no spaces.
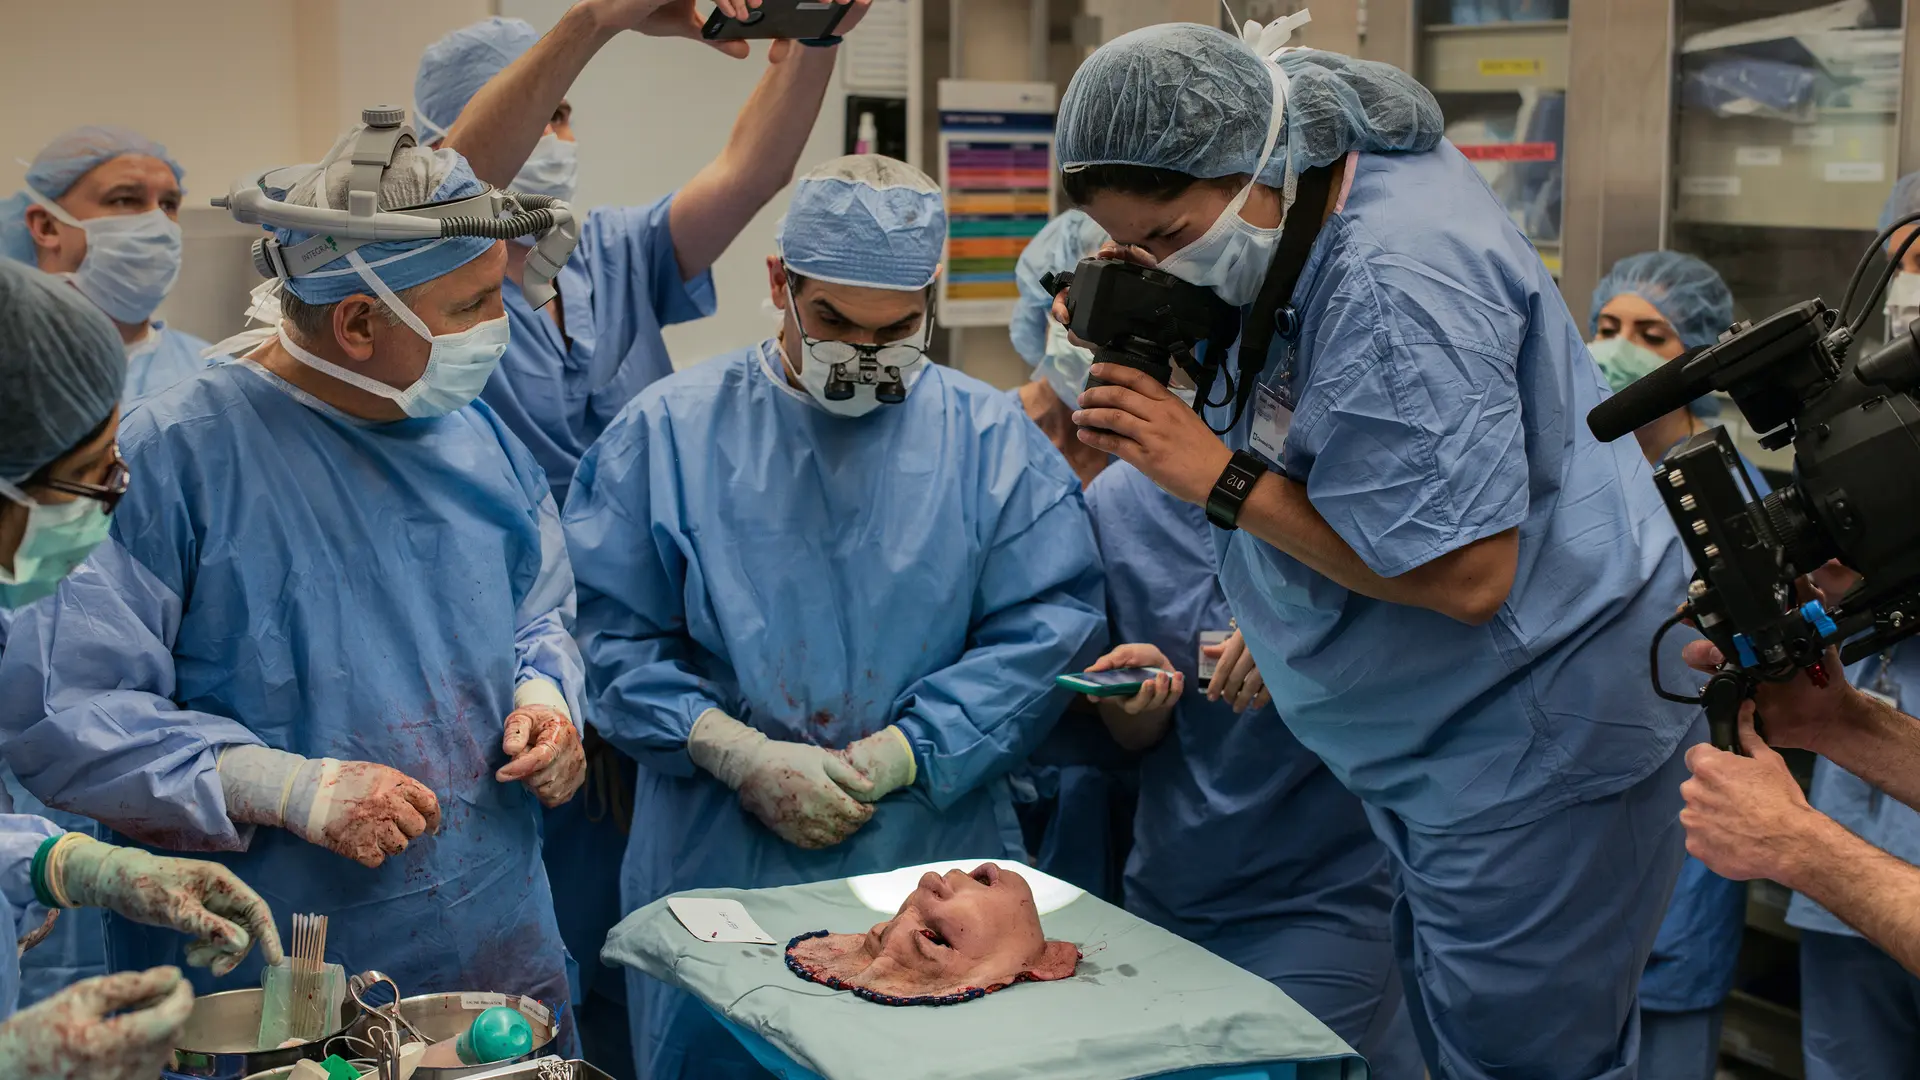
{"x":794,"y":20}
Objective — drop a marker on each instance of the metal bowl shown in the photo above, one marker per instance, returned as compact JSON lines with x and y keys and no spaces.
{"x":222,"y":1038}
{"x":441,"y":1018}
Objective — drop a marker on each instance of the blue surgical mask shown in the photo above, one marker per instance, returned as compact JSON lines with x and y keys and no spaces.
{"x":1065,"y":366}
{"x":131,"y":263}
{"x":554,"y":169}
{"x":59,"y":537}
{"x":1232,"y":257}
{"x":1623,"y":362}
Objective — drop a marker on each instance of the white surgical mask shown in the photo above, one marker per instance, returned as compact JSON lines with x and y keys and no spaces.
{"x":1903,"y":303}
{"x":1065,"y":366}
{"x":1232,"y":257}
{"x":131,"y":263}
{"x":458,"y":365}
{"x":59,"y":537}
{"x":554,"y":169}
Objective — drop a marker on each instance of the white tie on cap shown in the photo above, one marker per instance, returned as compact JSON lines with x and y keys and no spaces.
{"x":1269,"y":38}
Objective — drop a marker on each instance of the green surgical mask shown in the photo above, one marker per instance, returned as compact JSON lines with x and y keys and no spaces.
{"x":1623,"y":362}
{"x":59,"y":537}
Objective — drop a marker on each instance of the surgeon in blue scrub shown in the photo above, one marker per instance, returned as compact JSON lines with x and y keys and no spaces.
{"x":1648,"y":310}
{"x":102,"y":204}
{"x":1245,"y":843}
{"x":825,"y":587}
{"x":1059,"y":366}
{"x":329,"y":636}
{"x":1448,"y":584}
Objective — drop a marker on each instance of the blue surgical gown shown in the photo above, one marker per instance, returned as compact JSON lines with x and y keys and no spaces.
{"x":20,"y":836}
{"x":283,"y":574}
{"x":558,"y":392}
{"x":1243,"y":839}
{"x":168,"y":357}
{"x":1436,"y":394}
{"x":928,"y":565}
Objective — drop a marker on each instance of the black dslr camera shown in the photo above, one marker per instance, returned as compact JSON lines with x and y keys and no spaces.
{"x":1143,"y":318}
{"x":1855,"y":429}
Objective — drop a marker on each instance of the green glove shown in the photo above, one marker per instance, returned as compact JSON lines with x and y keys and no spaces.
{"x":69,"y":1036}
{"x":885,"y":760}
{"x":798,"y":791}
{"x":194,"y":897}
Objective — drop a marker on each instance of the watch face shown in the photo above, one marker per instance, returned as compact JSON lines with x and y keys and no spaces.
{"x":1236,"y":483}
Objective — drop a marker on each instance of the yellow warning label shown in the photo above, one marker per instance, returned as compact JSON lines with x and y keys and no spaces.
{"x":1509,"y":69}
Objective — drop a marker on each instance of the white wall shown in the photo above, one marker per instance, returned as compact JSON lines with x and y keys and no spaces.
{"x":651,"y":112}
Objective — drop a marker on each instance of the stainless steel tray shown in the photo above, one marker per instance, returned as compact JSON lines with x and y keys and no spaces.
{"x":548,"y":1068}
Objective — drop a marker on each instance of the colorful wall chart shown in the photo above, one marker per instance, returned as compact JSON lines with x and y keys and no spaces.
{"x":996,"y":166}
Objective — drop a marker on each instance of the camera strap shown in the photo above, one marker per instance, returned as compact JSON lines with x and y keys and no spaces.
{"x":1302,"y":227}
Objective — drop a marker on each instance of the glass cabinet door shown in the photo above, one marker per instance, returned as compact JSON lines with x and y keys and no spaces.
{"x":1499,"y":70}
{"x":1785,"y":148}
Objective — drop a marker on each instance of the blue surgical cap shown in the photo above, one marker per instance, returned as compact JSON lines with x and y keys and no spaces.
{"x":454,"y":69}
{"x":1904,"y":200}
{"x":400,"y":264}
{"x":1059,"y":246}
{"x":1196,"y":100}
{"x":60,"y":164}
{"x":1685,"y":291}
{"x":865,"y":220}
{"x":63,"y":366}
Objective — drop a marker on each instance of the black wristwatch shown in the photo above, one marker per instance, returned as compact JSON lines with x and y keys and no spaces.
{"x":1231,"y":490}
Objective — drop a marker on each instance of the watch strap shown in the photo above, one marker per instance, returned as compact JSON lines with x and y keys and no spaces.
{"x":1230,"y":491}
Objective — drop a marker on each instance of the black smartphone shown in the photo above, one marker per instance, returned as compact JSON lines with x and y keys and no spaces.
{"x":798,"y":20}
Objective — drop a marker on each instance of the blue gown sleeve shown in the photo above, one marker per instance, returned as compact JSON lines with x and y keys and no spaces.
{"x":87,"y":716}
{"x":543,"y":640}
{"x":648,"y":680}
{"x":1039,"y":609}
{"x":20,"y":836}
{"x":1419,"y":453}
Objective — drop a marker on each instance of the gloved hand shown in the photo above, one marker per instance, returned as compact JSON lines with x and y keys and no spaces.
{"x":353,"y":808}
{"x":798,"y":791}
{"x":547,"y":754}
{"x":885,"y":761}
{"x":194,"y":897}
{"x":70,"y":1037}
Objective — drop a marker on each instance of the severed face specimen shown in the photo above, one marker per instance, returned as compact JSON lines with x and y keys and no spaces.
{"x":956,"y":938}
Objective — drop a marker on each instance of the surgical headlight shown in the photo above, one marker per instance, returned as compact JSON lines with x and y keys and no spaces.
{"x":383,"y":132}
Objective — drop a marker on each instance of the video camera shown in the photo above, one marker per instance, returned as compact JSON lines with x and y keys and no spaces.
{"x":1855,"y":430}
{"x":1143,"y":318}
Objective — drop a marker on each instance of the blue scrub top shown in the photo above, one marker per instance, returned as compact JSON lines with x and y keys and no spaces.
{"x":621,"y":287}
{"x":283,"y":574}
{"x":1238,"y":823}
{"x":1872,"y":814}
{"x":169,"y":356}
{"x":20,"y":836}
{"x":1439,"y":395}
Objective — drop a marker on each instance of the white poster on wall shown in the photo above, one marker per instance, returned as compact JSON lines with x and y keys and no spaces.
{"x":997,"y":168}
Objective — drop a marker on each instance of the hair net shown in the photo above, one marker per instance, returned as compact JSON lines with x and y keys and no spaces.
{"x":417,"y":176}
{"x":865,"y":220}
{"x":1059,"y":246}
{"x":63,"y":365}
{"x":59,"y":165}
{"x":1904,"y":200}
{"x":1197,"y":100}
{"x":454,"y":69}
{"x":1685,"y":291}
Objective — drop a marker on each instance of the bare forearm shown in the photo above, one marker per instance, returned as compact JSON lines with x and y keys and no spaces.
{"x":1864,"y":887}
{"x":768,"y":138}
{"x":1467,"y":584}
{"x":499,"y":128}
{"x":1877,"y":743}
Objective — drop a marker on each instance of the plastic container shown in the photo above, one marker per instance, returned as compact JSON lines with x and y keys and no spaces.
{"x":499,"y":1034}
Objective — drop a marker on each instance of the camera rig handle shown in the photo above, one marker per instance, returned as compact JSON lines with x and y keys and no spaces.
{"x":1723,"y":696}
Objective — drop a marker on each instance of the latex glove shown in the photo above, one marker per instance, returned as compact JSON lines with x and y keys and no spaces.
{"x":547,"y":754}
{"x":74,"y":1035}
{"x":358,"y":809}
{"x":798,"y":791}
{"x":1236,"y":679}
{"x":200,"y":898}
{"x":885,"y":760}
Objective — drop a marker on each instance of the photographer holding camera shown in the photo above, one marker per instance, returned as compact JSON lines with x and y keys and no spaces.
{"x":1447,"y":581}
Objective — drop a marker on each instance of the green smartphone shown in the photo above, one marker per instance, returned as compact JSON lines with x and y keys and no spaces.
{"x":1119,"y":682}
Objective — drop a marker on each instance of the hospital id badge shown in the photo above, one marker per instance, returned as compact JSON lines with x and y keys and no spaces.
{"x":1209,"y":639}
{"x":1271,"y":422}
